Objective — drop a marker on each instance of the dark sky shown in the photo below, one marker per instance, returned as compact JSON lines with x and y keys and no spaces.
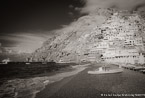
{"x":26,"y":24}
{"x":26,"y":15}
{"x":22,"y":22}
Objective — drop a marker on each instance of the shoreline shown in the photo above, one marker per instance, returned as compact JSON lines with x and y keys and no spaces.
{"x":30,"y":87}
{"x":84,"y":85}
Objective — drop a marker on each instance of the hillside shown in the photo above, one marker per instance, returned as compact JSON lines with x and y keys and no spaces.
{"x":90,"y":36}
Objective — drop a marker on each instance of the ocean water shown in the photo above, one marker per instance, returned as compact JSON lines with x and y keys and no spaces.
{"x":14,"y":70}
{"x":25,"y":78}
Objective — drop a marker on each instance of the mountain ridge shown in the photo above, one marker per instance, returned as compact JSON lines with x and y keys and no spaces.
{"x":75,"y":42}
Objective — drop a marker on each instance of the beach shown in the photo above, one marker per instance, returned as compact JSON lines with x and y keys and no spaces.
{"x":75,"y":82}
{"x":129,"y":84}
{"x":28,"y":88}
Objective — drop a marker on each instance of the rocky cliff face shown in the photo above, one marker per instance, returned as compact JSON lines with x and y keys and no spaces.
{"x":86,"y":38}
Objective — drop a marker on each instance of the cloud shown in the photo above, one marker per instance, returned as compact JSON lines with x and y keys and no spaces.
{"x":71,"y":14}
{"x":24,"y":42}
{"x":71,"y":6}
{"x":77,"y":9}
{"x":130,"y":5}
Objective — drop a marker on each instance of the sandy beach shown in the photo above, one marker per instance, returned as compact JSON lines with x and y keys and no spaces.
{"x":28,"y":88}
{"x":129,"y":84}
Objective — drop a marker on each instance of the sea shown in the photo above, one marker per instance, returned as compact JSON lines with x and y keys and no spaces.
{"x":25,"y":77}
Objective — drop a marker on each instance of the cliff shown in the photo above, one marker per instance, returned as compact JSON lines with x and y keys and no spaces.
{"x":86,"y":38}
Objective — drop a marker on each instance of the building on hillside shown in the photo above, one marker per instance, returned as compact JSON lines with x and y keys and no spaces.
{"x":121,"y":32}
{"x":102,"y":45}
{"x":129,"y":42}
{"x":94,"y":52}
{"x":131,"y":56}
{"x":138,"y":41}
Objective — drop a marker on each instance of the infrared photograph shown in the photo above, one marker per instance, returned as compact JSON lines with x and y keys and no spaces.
{"x":72,"y":49}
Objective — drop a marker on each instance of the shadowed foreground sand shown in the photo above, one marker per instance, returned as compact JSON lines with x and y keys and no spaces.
{"x":129,"y":84}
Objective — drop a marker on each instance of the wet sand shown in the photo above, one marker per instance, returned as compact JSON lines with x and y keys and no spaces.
{"x":128,"y":84}
{"x":27,"y":88}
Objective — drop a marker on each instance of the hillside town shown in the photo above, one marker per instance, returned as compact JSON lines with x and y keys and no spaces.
{"x":121,"y":40}
{"x":108,"y":35}
{"x":72,"y":49}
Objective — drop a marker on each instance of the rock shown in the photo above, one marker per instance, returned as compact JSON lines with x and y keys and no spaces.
{"x":73,"y":42}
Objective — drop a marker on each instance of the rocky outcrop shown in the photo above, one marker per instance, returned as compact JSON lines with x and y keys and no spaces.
{"x":78,"y":41}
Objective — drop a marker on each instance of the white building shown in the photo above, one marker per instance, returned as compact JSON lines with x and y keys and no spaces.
{"x":117,"y":32}
{"x":131,"y":56}
{"x":103,"y":45}
{"x":139,"y":41}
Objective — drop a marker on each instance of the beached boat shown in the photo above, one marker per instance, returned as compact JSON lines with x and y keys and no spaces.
{"x":27,"y":63}
{"x":139,"y":68}
{"x":101,"y":71}
{"x":143,"y":71}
